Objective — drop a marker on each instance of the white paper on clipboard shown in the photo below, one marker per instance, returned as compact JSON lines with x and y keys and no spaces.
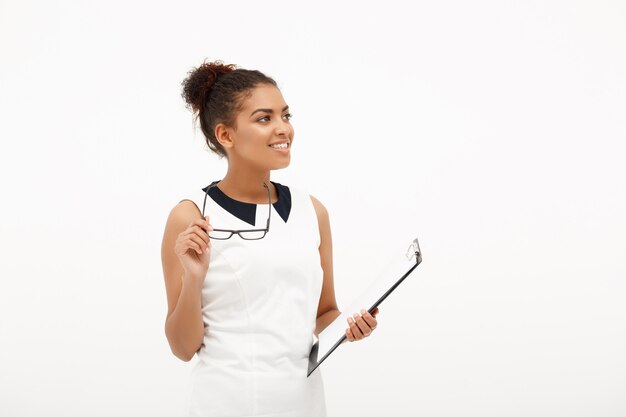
{"x":399,"y":267}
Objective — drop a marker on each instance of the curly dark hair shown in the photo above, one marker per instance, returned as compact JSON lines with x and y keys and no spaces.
{"x":215,"y":92}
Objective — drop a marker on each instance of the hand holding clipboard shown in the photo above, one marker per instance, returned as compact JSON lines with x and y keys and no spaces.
{"x":396,"y":272}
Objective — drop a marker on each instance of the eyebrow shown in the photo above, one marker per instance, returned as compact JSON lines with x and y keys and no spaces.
{"x":268,"y":110}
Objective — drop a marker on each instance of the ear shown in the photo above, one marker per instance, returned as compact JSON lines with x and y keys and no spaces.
{"x":224,"y":136}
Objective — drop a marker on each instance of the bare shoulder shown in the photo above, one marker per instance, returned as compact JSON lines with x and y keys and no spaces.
{"x":320,"y":209}
{"x":187,"y":207}
{"x":183,"y":213}
{"x":179,"y":219}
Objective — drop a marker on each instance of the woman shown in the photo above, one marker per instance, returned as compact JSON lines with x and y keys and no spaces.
{"x":249,"y":302}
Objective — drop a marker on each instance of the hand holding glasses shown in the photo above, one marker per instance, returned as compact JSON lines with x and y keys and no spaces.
{"x":247,"y":234}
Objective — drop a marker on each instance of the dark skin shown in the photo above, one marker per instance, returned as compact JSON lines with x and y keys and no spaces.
{"x":362,"y":325}
{"x":262,"y":121}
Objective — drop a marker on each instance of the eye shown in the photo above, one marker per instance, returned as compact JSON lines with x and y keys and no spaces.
{"x":287,"y":116}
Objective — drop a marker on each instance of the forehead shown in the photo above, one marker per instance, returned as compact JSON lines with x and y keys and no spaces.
{"x":264,"y":96}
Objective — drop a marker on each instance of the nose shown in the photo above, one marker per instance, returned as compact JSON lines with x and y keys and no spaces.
{"x":283,"y":128}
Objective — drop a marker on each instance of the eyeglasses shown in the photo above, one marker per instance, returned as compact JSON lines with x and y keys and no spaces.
{"x":249,"y":234}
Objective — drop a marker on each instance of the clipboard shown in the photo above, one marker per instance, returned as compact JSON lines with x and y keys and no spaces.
{"x":397,"y":270}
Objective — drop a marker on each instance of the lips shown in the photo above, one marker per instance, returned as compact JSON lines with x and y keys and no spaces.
{"x":280,"y":143}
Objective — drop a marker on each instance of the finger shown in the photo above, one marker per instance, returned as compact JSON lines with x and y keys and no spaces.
{"x":196,"y":222}
{"x":363,"y":326}
{"x":202,"y":233}
{"x":188,"y":245}
{"x":207,"y":224}
{"x":201,"y":242}
{"x":203,"y":224}
{"x":199,"y":229}
{"x":184,"y":244}
{"x":349,"y":335}
{"x":196,"y":230}
{"x":356,"y":332}
{"x":369,"y":319}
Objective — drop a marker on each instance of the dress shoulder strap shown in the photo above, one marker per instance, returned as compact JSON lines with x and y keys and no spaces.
{"x":302,"y":200}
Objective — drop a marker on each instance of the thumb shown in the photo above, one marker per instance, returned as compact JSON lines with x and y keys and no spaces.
{"x":206,"y":219}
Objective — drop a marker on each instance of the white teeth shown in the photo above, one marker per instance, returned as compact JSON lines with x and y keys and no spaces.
{"x":280,"y":145}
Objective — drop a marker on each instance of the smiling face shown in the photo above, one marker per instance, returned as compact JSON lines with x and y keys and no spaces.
{"x":263,"y":135}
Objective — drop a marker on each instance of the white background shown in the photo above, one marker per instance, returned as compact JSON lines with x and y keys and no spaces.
{"x":492,"y":130}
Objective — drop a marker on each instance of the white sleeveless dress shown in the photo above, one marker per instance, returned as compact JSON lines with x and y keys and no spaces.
{"x":259,"y":306}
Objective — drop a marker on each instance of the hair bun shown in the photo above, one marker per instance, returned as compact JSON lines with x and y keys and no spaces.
{"x":200,"y":81}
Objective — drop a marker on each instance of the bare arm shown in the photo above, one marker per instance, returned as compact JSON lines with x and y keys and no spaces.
{"x":184,"y":327}
{"x":360,"y":326}
{"x":327,"y":310}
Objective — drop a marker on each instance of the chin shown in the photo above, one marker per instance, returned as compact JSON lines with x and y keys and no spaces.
{"x":280,"y":163}
{"x":280,"y":166}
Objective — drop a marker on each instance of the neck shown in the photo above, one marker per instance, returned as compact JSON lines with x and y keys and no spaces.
{"x":247,"y":185}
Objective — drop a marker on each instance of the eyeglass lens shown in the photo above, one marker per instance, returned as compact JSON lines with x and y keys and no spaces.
{"x":244,"y":234}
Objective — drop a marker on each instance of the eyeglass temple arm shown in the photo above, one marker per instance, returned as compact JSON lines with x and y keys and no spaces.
{"x":267,"y":226}
{"x":206,"y":194}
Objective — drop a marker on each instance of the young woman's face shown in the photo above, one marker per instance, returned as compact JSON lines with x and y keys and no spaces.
{"x":264,"y":134}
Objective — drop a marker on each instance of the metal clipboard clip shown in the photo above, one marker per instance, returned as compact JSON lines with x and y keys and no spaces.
{"x":414,"y":251}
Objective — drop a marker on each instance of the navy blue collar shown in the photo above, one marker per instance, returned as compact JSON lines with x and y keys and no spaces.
{"x":247,"y":211}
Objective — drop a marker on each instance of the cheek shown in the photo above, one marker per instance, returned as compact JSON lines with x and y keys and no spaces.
{"x":252,"y":136}
{"x":253,"y":139}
